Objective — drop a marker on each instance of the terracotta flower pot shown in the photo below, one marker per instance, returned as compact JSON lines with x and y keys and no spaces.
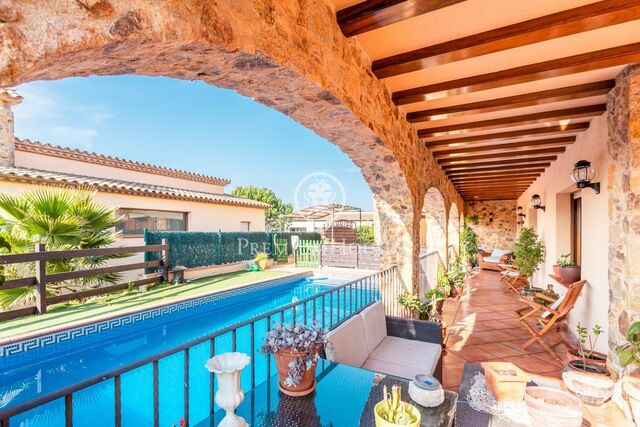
{"x":556,"y":270}
{"x":597,"y":358}
{"x":570,"y":274}
{"x":439,"y":306}
{"x":590,"y":383}
{"x":307,"y":383}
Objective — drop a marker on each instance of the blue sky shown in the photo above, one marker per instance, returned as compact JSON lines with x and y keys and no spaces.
{"x":185,"y":125}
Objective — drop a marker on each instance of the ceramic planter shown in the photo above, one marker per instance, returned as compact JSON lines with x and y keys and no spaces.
{"x":592,"y":385}
{"x":439,"y":306}
{"x":381,"y":422}
{"x":307,"y":383}
{"x":551,"y":407}
{"x":227,"y":368}
{"x":556,"y":270}
{"x":570,"y":274}
{"x":596,"y":358}
{"x":631,"y":390}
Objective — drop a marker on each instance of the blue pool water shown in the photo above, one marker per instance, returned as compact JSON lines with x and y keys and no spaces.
{"x":28,"y":374}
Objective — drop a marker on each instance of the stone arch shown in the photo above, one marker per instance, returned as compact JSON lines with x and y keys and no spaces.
{"x":435,"y":218}
{"x":453,"y":227}
{"x":289,"y":55}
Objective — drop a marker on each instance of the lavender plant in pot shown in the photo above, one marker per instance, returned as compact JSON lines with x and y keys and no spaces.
{"x":591,"y":383}
{"x":296,"y":350}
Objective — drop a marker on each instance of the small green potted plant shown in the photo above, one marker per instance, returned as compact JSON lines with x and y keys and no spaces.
{"x":528,"y":253}
{"x":567,"y":269}
{"x":414,"y":304}
{"x":261,"y":260}
{"x":629,"y":356}
{"x":391,"y":411}
{"x":468,"y":245}
{"x":436,"y":297}
{"x":472,"y":219}
{"x":590,"y":382}
{"x":586,"y":344}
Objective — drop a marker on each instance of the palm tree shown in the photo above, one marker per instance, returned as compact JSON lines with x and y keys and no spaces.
{"x":61,"y":219}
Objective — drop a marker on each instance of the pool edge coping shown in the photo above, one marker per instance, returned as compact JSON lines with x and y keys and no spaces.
{"x":101,"y":318}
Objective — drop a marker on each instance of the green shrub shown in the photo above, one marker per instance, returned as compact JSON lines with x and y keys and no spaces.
{"x":528,"y":252}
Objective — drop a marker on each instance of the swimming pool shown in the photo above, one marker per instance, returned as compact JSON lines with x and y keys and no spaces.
{"x":29,"y":370}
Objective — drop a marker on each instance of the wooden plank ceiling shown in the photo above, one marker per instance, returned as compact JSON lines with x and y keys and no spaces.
{"x":496,"y":89}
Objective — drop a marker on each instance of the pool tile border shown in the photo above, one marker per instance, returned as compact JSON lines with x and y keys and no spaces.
{"x":23,"y":344}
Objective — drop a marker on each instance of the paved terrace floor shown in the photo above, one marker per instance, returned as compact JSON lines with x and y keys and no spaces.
{"x":484,"y":328}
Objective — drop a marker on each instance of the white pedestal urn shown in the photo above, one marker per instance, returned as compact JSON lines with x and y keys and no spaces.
{"x":227,"y":367}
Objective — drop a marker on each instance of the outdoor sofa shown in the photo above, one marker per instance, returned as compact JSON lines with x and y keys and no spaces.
{"x":389,"y":345}
{"x":492,"y":260}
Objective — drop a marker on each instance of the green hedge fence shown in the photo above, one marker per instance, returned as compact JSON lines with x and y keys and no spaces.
{"x":198,"y":249}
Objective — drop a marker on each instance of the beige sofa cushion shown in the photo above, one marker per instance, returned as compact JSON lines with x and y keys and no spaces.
{"x":347,"y":343}
{"x":404,"y":358}
{"x":375,"y":325}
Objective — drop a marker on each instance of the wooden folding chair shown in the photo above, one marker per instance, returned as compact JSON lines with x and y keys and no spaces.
{"x":512,"y":277}
{"x":549,"y":317}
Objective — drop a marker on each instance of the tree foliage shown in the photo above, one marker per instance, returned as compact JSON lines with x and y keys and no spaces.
{"x":528,"y":252}
{"x":365,"y":234}
{"x":62,"y":220}
{"x":276,"y":216}
{"x":468,"y":244}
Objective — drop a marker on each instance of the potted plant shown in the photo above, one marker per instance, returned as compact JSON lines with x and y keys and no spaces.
{"x":629,"y":355}
{"x":590,"y":382}
{"x":392,"y":411}
{"x":473,"y":219}
{"x":468,"y":245}
{"x":567,"y":269}
{"x":261,"y":260}
{"x":436,"y":297}
{"x":414,"y":304}
{"x":443,"y":282}
{"x":528,"y":252}
{"x":586,"y":344}
{"x":296,"y":350}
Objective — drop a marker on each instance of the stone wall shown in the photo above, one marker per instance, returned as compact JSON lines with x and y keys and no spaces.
{"x":289,"y":55}
{"x":8,"y":98}
{"x":499,"y":234}
{"x":623,"y":105}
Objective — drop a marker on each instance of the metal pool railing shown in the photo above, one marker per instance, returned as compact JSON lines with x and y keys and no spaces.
{"x":350,"y":298}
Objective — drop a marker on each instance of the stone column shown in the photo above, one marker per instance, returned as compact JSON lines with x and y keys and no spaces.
{"x":8,"y":98}
{"x":623,"y":107}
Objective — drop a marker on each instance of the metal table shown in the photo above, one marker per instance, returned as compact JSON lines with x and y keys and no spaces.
{"x":344,"y":397}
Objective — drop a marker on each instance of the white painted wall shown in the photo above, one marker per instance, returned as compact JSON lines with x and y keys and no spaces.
{"x":553,"y":225}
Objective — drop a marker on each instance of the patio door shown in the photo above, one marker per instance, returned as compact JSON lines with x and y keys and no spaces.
{"x":576,"y":227}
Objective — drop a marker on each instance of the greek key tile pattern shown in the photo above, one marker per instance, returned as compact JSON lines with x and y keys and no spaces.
{"x":118,"y":325}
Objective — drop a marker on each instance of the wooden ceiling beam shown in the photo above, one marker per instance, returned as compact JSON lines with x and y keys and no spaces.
{"x":516,"y":184}
{"x":488,"y":198}
{"x":479,"y":165}
{"x":596,"y":60}
{"x":521,"y":120}
{"x":528,"y":153}
{"x":510,"y":135}
{"x":518,"y":101}
{"x":507,"y":170}
{"x":573,"y":21}
{"x":563,"y":140}
{"x":374,"y":14}
{"x":508,"y":178}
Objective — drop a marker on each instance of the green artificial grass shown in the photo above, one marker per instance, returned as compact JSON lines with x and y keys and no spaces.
{"x":65,"y":313}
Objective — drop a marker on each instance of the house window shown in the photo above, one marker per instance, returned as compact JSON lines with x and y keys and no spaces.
{"x":245,"y":226}
{"x":576,"y":228}
{"x":136,"y":220}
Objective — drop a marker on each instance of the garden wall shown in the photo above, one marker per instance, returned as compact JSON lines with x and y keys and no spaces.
{"x":499,"y":233}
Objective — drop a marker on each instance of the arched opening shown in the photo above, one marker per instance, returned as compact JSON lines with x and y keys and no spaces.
{"x":435,"y":220}
{"x":287,"y":56}
{"x":453,"y":230}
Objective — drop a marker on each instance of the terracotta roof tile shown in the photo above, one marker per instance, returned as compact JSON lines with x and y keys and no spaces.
{"x":125,"y":187}
{"x":101,"y":159}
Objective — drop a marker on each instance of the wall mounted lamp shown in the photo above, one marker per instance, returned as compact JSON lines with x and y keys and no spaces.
{"x":583,"y":174}
{"x":490,"y":216}
{"x":536,"y":202}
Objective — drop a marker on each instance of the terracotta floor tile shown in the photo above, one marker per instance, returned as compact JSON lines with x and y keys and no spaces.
{"x":451,"y":375}
{"x":474,"y":354}
{"x":500,"y":350}
{"x":450,"y":358}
